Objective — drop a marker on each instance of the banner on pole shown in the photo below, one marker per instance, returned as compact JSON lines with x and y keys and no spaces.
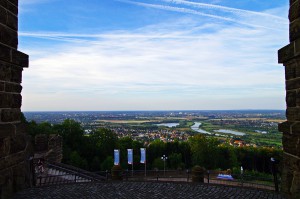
{"x":143,"y":156}
{"x":130,"y":156}
{"x":116,"y":157}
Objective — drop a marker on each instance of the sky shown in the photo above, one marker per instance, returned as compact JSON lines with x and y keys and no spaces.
{"x":152,"y":54}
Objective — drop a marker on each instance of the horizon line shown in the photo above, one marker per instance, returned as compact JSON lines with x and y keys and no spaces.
{"x":159,"y":110}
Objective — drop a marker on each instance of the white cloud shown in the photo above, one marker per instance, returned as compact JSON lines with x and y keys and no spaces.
{"x":138,"y":68}
{"x":182,"y":64}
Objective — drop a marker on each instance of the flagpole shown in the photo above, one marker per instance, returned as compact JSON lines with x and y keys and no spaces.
{"x":145,"y":163}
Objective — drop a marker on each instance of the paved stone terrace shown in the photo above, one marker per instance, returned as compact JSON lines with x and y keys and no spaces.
{"x":143,"y":190}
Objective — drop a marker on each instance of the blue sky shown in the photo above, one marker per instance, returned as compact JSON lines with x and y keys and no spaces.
{"x":153,"y":55}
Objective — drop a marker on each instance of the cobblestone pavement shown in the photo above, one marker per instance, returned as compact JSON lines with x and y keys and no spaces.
{"x":142,"y":190}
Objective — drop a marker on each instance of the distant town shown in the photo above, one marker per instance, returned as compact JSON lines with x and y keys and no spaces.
{"x":237,"y":127}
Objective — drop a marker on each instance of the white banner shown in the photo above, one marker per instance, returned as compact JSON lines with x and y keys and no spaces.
{"x":130,"y":156}
{"x":116,"y":157}
{"x":143,"y":156}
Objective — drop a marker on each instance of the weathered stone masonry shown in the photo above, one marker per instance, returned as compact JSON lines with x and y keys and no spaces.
{"x":290,"y":57}
{"x":14,"y":143}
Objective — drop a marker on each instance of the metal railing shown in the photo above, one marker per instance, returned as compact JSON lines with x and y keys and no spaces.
{"x":57,"y":173}
{"x":210,"y":177}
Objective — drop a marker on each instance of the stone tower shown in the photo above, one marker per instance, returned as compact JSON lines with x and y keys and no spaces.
{"x":290,"y":57}
{"x":14,"y":159}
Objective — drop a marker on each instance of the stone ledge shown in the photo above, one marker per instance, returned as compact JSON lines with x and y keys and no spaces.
{"x":289,"y":52}
{"x":289,"y":128}
{"x":13,"y":56}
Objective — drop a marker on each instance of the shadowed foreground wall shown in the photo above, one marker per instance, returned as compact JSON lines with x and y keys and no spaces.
{"x":290,"y":57}
{"x":14,"y":144}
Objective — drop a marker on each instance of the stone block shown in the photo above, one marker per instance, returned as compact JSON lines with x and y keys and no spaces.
{"x":284,"y":127}
{"x":5,"y":71}
{"x":13,"y":160}
{"x":292,"y":84}
{"x":12,"y":21}
{"x":10,"y":115}
{"x":8,"y":100}
{"x":20,"y":59}
{"x":286,"y":180}
{"x":290,"y":70}
{"x":18,"y":143}
{"x":295,"y":186}
{"x":4,"y":147}
{"x":12,"y":88}
{"x":295,"y":129}
{"x":19,"y":174}
{"x":7,"y":185}
{"x":16,"y":75}
{"x":290,"y":175}
{"x":5,"y":100}
{"x":3,"y":15}
{"x":8,"y":36}
{"x":292,"y":2}
{"x":10,"y":5}
{"x":2,"y":86}
{"x":294,"y":30}
{"x":291,"y":144}
{"x":15,"y":2}
{"x":41,"y":143}
{"x":20,"y":128}
{"x":7,"y":130}
{"x":5,"y":53}
{"x":286,"y":53}
{"x":291,"y":97}
{"x":294,"y":12}
{"x":293,"y":114}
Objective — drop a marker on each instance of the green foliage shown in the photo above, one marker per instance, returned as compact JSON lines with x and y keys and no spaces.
{"x":77,"y":160}
{"x":95,"y":152}
{"x":204,"y":151}
{"x":158,"y":163}
{"x":105,"y":141}
{"x":95,"y":164}
{"x":107,"y":164}
{"x":175,"y":160}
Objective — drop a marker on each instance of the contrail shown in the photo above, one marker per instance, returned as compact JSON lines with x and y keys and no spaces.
{"x":195,"y":12}
{"x":223,"y":8}
{"x":177,"y":9}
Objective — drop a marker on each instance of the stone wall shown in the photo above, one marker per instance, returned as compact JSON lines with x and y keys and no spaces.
{"x":290,"y":57}
{"x":49,"y":147}
{"x":14,"y":144}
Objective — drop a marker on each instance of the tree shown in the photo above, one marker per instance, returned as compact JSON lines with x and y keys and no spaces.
{"x":204,"y":151}
{"x":107,"y":164}
{"x":95,"y":164}
{"x":105,"y":140}
{"x":77,"y":161}
{"x":175,"y":160}
{"x":72,"y":133}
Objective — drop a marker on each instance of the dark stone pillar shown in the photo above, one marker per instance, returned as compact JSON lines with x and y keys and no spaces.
{"x":290,"y":57}
{"x":14,"y":144}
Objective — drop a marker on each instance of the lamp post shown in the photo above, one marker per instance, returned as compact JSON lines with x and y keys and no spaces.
{"x":164,"y":158}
